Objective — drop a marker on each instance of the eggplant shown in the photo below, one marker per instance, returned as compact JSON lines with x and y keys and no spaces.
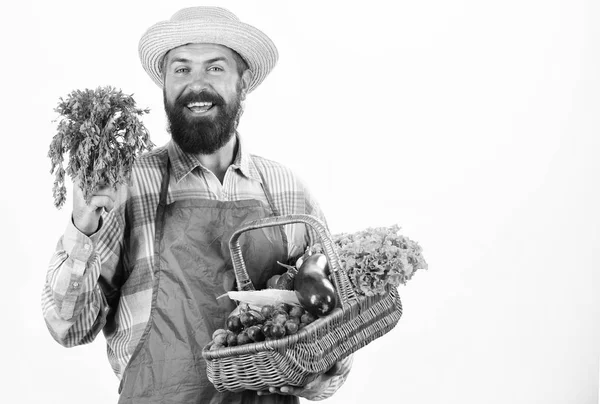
{"x":314,"y":290}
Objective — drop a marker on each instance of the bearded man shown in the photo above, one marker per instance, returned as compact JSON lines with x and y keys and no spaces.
{"x":145,"y":263}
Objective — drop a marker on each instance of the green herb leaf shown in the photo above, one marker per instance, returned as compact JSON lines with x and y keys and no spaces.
{"x":102,"y":132}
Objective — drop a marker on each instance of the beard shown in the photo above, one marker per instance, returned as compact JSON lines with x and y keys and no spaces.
{"x":203,"y":135}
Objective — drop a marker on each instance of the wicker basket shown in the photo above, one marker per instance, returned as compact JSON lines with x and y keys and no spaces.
{"x":298,"y":359}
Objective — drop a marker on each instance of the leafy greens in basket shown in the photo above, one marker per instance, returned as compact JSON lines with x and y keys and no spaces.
{"x":377,"y":257}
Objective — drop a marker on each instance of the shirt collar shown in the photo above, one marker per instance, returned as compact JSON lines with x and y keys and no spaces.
{"x":183,"y":163}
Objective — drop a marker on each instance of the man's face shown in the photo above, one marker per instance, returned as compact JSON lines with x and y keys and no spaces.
{"x":202,"y":94}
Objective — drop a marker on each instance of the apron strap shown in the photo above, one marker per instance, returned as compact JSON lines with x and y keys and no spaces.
{"x":159,"y":221}
{"x":271,"y":201}
{"x":164,"y":186}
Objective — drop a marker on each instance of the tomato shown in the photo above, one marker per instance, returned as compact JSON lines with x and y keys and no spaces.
{"x":272,"y":282}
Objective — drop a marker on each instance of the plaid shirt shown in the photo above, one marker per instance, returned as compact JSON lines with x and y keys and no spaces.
{"x":104,"y":282}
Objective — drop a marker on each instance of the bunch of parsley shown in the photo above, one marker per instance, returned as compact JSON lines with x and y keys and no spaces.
{"x":102,"y":133}
{"x":377,"y":257}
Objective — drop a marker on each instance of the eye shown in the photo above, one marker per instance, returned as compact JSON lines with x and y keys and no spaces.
{"x":215,"y":69}
{"x":182,"y":70}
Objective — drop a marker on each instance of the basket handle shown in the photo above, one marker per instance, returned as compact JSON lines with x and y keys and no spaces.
{"x":343,"y":287}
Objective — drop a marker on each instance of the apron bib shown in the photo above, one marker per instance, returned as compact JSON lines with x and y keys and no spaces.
{"x":192,"y":267}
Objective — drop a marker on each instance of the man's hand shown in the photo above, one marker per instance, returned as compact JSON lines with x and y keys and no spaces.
{"x":86,"y":217}
{"x":310,"y":391}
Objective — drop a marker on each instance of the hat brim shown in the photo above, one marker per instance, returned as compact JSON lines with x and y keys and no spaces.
{"x":251,"y":44}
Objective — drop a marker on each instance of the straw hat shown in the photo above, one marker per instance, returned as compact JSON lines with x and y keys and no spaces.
{"x":208,"y":25}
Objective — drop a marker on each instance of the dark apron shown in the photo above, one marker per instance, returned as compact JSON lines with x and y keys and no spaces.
{"x":192,"y":267}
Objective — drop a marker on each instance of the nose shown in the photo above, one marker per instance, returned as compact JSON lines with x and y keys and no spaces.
{"x":199,"y":82}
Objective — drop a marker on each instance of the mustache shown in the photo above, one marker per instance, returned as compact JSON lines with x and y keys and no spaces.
{"x":204,"y":96}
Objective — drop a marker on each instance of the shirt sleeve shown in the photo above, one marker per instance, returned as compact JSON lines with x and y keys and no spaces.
{"x":74,"y":305}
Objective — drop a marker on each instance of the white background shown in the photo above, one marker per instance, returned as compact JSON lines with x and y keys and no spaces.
{"x":472,"y":124}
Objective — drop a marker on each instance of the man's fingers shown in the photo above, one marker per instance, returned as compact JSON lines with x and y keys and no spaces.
{"x":285,"y":391}
{"x":294,"y":391}
{"x":106,"y":192}
{"x":102,"y":201}
{"x":101,"y":188}
{"x":104,"y":196}
{"x":310,"y":390}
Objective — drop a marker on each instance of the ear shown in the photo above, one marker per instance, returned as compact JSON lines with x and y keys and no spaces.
{"x":246,"y":78}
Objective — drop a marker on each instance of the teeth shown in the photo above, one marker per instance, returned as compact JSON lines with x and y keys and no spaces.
{"x":199,"y":104}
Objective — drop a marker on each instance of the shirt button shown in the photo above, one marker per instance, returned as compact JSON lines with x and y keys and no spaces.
{"x":75,"y":284}
{"x":86,"y":246}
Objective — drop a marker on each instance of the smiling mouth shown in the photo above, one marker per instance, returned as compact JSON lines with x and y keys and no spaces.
{"x":200,"y":107}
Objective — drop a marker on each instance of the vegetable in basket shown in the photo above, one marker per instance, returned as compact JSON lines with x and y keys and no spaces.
{"x":309,"y":278}
{"x":313,"y":288}
{"x":249,"y":324}
{"x":377,"y":257}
